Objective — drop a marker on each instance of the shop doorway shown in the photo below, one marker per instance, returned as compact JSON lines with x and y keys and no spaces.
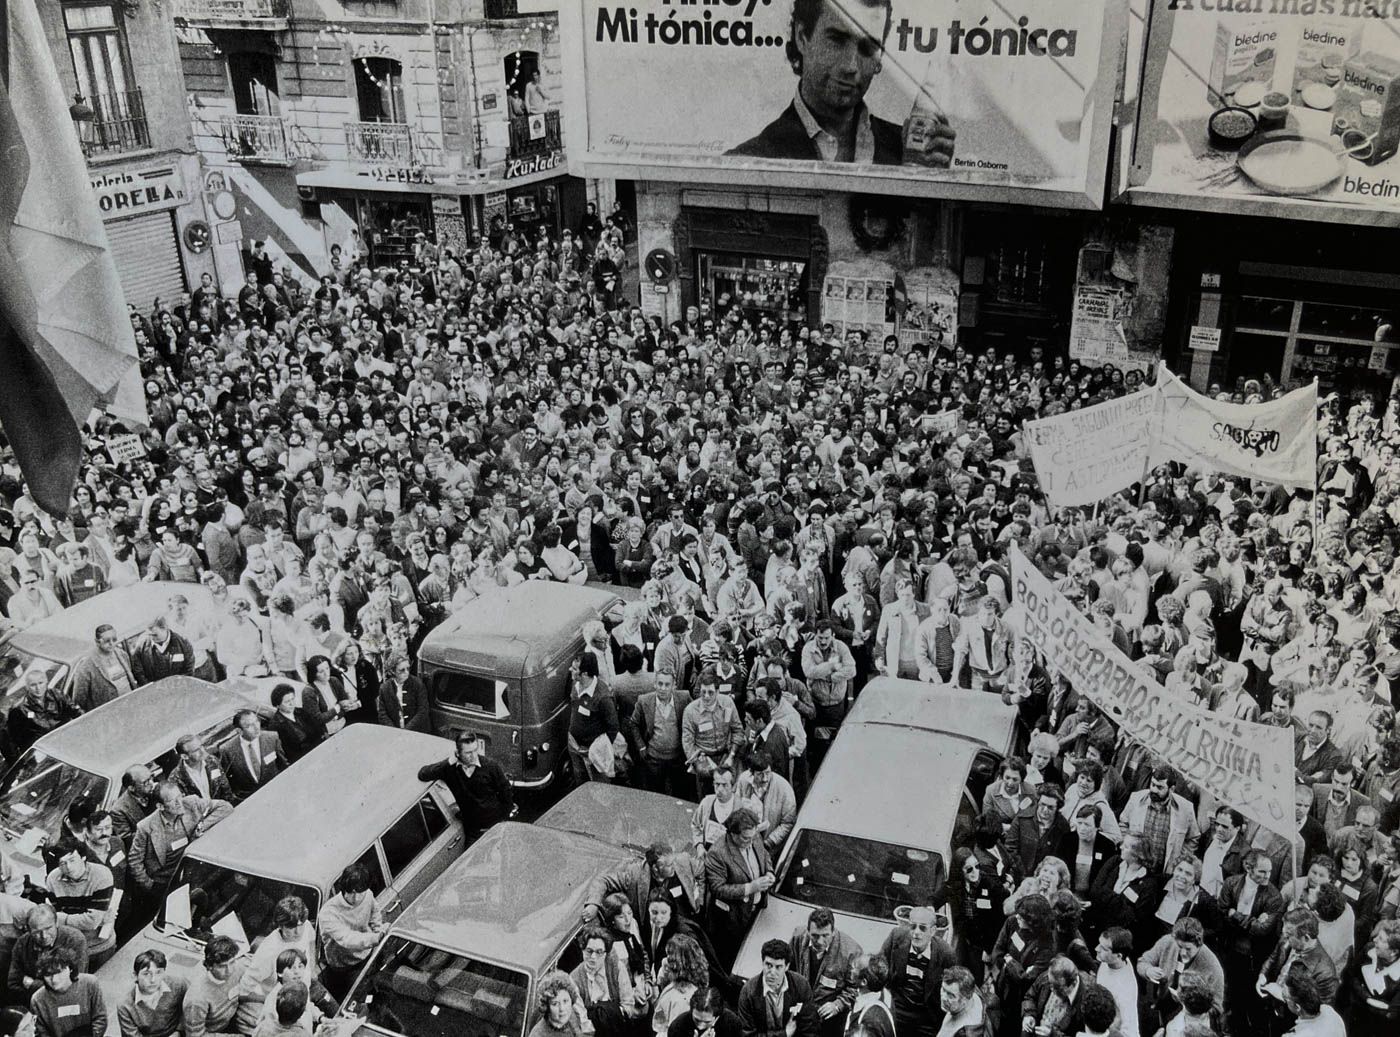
{"x":388,"y":224}
{"x":762,"y":286}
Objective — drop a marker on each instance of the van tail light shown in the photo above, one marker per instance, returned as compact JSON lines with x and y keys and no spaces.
{"x":532,"y":757}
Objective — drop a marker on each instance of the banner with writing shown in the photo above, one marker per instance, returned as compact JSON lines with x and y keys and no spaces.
{"x":1274,"y":441}
{"x":962,"y":99}
{"x":1248,"y":766}
{"x":1083,"y":456}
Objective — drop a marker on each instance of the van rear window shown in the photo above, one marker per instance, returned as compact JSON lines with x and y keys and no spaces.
{"x":469,"y":691}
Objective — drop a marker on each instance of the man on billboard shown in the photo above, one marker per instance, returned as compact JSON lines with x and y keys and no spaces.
{"x":837,"y":47}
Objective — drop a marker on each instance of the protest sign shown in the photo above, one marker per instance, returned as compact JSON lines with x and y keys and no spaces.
{"x":125,"y":448}
{"x":940,"y":98}
{"x":1248,"y":766}
{"x":942,"y":423}
{"x":1274,"y":441}
{"x":1283,"y":108}
{"x":1083,"y":456}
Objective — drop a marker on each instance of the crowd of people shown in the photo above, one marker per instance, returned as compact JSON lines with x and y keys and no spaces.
{"x":341,"y":466}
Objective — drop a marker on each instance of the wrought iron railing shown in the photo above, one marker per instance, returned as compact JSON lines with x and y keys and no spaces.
{"x":387,"y":142}
{"x":118,"y":124}
{"x":533,"y":134}
{"x":255,"y":138}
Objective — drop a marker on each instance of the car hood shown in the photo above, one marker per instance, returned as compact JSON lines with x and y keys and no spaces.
{"x":781,"y":918}
{"x":114,"y":978}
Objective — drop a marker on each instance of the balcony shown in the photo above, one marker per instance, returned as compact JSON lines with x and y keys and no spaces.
{"x":501,"y":9}
{"x":118,"y":125}
{"x":388,"y":142}
{"x":256,"y":139}
{"x":232,"y":14}
{"x":534,"y":134}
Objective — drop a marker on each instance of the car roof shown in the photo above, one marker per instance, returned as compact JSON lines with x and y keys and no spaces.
{"x":622,"y":816}
{"x":893,"y":784}
{"x":298,"y":828}
{"x":515,"y":625}
{"x":140,"y":725}
{"x":67,"y":636}
{"x":513,"y":897}
{"x":960,"y":714}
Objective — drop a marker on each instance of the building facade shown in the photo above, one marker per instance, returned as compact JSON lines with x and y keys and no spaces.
{"x":331,"y":129}
{"x":114,"y":59}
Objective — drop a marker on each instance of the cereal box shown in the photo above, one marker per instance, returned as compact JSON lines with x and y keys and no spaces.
{"x":1368,"y":106}
{"x":1324,"y":48}
{"x":1245,"y":52}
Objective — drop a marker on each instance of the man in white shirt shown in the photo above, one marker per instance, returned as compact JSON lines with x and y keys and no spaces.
{"x":1116,"y":975}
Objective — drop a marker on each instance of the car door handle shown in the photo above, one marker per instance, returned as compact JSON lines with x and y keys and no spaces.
{"x":456,"y":840}
{"x":394,"y":906}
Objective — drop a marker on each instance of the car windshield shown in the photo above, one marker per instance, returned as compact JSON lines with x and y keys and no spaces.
{"x":35,"y":797}
{"x":859,"y":876}
{"x":206,"y":900}
{"x":420,"y":991}
{"x":15,"y":663}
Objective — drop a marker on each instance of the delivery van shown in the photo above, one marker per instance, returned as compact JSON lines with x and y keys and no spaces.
{"x":500,"y":666}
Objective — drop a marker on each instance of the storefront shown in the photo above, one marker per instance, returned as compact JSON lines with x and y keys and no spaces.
{"x":139,"y":207}
{"x":531,"y":205}
{"x":1293,"y":301}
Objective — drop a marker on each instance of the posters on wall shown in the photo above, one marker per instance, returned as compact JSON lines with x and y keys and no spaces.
{"x":1096,"y":328}
{"x":942,"y":98}
{"x":859,"y":304}
{"x":1272,"y":107}
{"x":930,"y":308}
{"x":1248,"y":766}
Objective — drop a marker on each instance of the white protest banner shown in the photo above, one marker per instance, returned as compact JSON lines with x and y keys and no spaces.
{"x":1248,"y":766}
{"x":125,"y":448}
{"x":1274,"y":441}
{"x":1083,"y":456}
{"x":942,"y":423}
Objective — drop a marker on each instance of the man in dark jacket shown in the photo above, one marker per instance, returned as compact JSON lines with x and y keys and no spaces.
{"x":1053,"y":1005}
{"x":403,"y":700}
{"x":777,"y":1002}
{"x":708,"y":1015}
{"x":826,"y":957}
{"x":483,"y":792}
{"x":594,"y":714}
{"x":916,"y":958}
{"x":161,"y":653}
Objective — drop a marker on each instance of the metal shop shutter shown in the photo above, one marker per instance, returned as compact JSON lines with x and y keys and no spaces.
{"x":147,"y":252}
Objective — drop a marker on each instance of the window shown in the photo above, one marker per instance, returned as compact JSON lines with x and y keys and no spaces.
{"x":434,"y":817}
{"x":99,"y":51}
{"x":369,"y":860}
{"x":421,"y":991}
{"x":37,"y":793}
{"x":859,"y":876}
{"x":404,"y":841}
{"x":207,"y":900}
{"x":379,"y":88}
{"x":470,"y":691}
{"x":254,"y":81}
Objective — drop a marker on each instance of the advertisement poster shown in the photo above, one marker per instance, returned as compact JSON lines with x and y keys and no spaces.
{"x":1096,"y":327}
{"x":1248,"y":766}
{"x":1271,"y":107}
{"x":859,"y":304}
{"x":940,"y":98}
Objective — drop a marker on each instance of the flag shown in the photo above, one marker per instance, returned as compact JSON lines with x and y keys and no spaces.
{"x":1275,"y":441}
{"x":66,"y":344}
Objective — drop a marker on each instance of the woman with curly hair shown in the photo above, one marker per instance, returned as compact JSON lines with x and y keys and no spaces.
{"x":558,"y":1004}
{"x":683,"y":971}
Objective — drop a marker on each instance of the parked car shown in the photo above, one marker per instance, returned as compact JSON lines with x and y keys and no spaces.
{"x":58,"y":642}
{"x":88,"y":756}
{"x":466,"y":957}
{"x":900,"y":787}
{"x":500,"y":666}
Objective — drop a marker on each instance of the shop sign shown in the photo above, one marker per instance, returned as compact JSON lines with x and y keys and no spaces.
{"x":971,"y":99}
{"x":1207,"y":340}
{"x":401,"y":174}
{"x":522,"y":167}
{"x":1272,"y":109}
{"x":129,"y":193}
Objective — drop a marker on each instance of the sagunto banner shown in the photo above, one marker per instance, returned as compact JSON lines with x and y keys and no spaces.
{"x":1274,"y":441}
{"x":948,"y":98}
{"x":1083,"y":456}
{"x":1248,"y":766}
{"x":1275,"y":107}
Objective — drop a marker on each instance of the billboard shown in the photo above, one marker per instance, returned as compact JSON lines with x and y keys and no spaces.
{"x":1271,"y":107}
{"x":1004,"y":100}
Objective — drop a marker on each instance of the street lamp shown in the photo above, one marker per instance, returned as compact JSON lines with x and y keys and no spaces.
{"x":82,"y":116}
